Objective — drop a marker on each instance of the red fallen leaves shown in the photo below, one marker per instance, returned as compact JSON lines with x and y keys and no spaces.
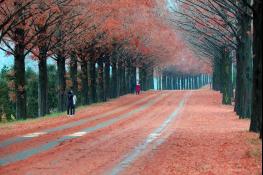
{"x":204,"y":140}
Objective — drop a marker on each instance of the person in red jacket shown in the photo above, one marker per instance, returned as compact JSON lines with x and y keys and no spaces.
{"x":138,"y":89}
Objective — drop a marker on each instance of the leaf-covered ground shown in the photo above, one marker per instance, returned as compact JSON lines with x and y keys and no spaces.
{"x":169,"y":132}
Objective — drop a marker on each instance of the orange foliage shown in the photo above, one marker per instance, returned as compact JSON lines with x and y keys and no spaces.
{"x":137,"y":23}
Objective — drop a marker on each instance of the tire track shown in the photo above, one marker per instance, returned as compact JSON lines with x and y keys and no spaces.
{"x":94,"y":153}
{"x":30,"y":136}
{"x":30,"y":152}
{"x":133,"y":155}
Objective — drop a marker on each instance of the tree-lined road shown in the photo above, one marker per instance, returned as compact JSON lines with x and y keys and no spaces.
{"x":168,"y":132}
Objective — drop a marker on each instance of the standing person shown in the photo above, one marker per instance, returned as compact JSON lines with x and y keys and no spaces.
{"x":74,"y":104}
{"x":70,"y":103}
{"x":138,"y":89}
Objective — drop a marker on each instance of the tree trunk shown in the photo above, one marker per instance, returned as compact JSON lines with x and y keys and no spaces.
{"x":247,"y":68}
{"x":123,"y":76}
{"x":151,"y":81}
{"x":129,"y":77}
{"x":256,"y":118}
{"x":163,"y":81}
{"x":175,"y":82}
{"x":114,"y":79}
{"x":216,"y":76}
{"x":238,"y":90}
{"x":226,"y":78}
{"x":170,"y":82}
{"x":245,"y":64}
{"x":189,"y":82}
{"x":107,"y":78}
{"x":133,"y":79}
{"x":61,"y":83}
{"x":42,"y":86}
{"x":119,"y":72}
{"x":92,"y":81}
{"x":19,"y":67}
{"x":101,"y":94}
{"x":43,"y":108}
{"x":84,"y":83}
{"x":195,"y":83}
{"x":183,"y":82}
{"x":74,"y":72}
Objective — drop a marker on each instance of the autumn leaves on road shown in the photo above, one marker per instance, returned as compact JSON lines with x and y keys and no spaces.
{"x":168,"y":132}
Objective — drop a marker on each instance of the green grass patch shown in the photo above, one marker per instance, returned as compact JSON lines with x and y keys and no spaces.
{"x":52,"y":115}
{"x":12,"y":122}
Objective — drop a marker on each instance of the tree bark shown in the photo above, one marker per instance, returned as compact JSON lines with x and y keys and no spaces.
{"x":74,"y":72}
{"x":133,"y":79}
{"x":238,"y":85}
{"x":124,"y":88}
{"x":245,"y":64}
{"x":119,"y":72}
{"x":101,"y":94}
{"x":216,"y":76}
{"x":151,"y":81}
{"x":247,"y":69}
{"x":19,"y":67}
{"x":42,"y":86}
{"x":84,"y":83}
{"x":61,"y":83}
{"x":121,"y":78}
{"x":114,"y":79}
{"x":256,"y":118}
{"x":92,"y":81}
{"x":129,"y":77}
{"x":227,"y":77}
{"x":107,"y":78}
{"x":164,"y":81}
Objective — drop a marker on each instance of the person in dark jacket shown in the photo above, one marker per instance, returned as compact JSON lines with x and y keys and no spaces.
{"x":70,"y":104}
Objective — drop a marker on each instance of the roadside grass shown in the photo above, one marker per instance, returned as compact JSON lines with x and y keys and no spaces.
{"x":13,"y":122}
{"x":52,"y":115}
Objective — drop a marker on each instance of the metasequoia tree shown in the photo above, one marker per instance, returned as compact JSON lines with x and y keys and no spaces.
{"x":92,"y":38}
{"x":130,"y":31}
{"x":199,"y":20}
{"x":31,"y":31}
{"x":256,"y":118}
{"x":225,"y":27}
{"x":46,"y":26}
{"x":19,"y":39}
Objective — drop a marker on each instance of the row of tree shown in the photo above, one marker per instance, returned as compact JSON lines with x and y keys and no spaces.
{"x":61,"y":30}
{"x":7,"y":107}
{"x":110,"y":82}
{"x":172,"y":80}
{"x":96,"y":46}
{"x":228,"y":33}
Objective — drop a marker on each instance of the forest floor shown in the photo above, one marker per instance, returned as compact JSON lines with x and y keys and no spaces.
{"x":156,"y":133}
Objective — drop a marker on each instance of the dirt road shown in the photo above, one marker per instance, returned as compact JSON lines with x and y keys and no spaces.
{"x":169,"y":132}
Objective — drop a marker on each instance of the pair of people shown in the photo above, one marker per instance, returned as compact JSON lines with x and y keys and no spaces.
{"x":72,"y":101}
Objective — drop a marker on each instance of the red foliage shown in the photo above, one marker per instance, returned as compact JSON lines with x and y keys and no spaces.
{"x":138,"y":23}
